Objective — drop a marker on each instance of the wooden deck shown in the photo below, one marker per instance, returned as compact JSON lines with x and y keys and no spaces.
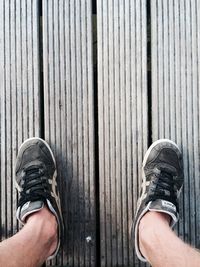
{"x":100,"y":81}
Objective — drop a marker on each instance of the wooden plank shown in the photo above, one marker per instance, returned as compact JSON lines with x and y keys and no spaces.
{"x":175,"y":96}
{"x":123,"y":131}
{"x":69,"y":122}
{"x":19,"y":96}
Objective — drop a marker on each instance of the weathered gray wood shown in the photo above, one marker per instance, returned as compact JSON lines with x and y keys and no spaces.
{"x":175,"y":96}
{"x":69,"y":122}
{"x":123,"y":131}
{"x":19,"y":96}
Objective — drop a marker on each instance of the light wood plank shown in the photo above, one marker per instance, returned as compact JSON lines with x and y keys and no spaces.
{"x":123,"y":131}
{"x":69,"y":122}
{"x":175,"y":96}
{"x":19,"y":96}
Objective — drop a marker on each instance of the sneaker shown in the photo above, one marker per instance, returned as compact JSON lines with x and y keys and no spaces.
{"x":162,"y":172}
{"x":36,"y":173}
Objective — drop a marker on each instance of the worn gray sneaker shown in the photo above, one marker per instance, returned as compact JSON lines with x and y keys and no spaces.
{"x":162,"y":173}
{"x":36,"y":173}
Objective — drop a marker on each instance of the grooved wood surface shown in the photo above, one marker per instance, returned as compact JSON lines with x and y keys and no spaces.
{"x":175,"y":96}
{"x":69,"y":122}
{"x":123,"y":127}
{"x":99,"y":130}
{"x":19,"y":96}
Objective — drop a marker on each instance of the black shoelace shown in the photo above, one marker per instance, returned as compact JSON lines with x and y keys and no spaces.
{"x":164,"y":187}
{"x":35,"y":186}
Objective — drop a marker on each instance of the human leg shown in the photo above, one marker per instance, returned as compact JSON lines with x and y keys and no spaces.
{"x":32,"y":245}
{"x":38,"y":208}
{"x":160,"y":245}
{"x":162,"y":182}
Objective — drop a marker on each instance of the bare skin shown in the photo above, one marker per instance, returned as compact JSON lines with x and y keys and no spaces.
{"x":161,"y":247}
{"x":31,"y":246}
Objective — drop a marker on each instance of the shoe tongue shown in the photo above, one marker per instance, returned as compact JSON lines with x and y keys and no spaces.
{"x":29,"y":208}
{"x":167,"y":207}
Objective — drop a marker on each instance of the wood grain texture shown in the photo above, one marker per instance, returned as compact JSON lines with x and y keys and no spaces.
{"x":123,"y":127}
{"x":19,"y":96}
{"x":69,"y":122}
{"x":175,"y":96}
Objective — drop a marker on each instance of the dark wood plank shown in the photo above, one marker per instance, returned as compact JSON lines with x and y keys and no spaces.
{"x":69,"y":122}
{"x":19,"y":96}
{"x":175,"y":96}
{"x":123,"y":129}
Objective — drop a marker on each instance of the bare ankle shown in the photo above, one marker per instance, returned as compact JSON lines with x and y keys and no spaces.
{"x":149,"y":228}
{"x":51,"y":233}
{"x":47,"y":228}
